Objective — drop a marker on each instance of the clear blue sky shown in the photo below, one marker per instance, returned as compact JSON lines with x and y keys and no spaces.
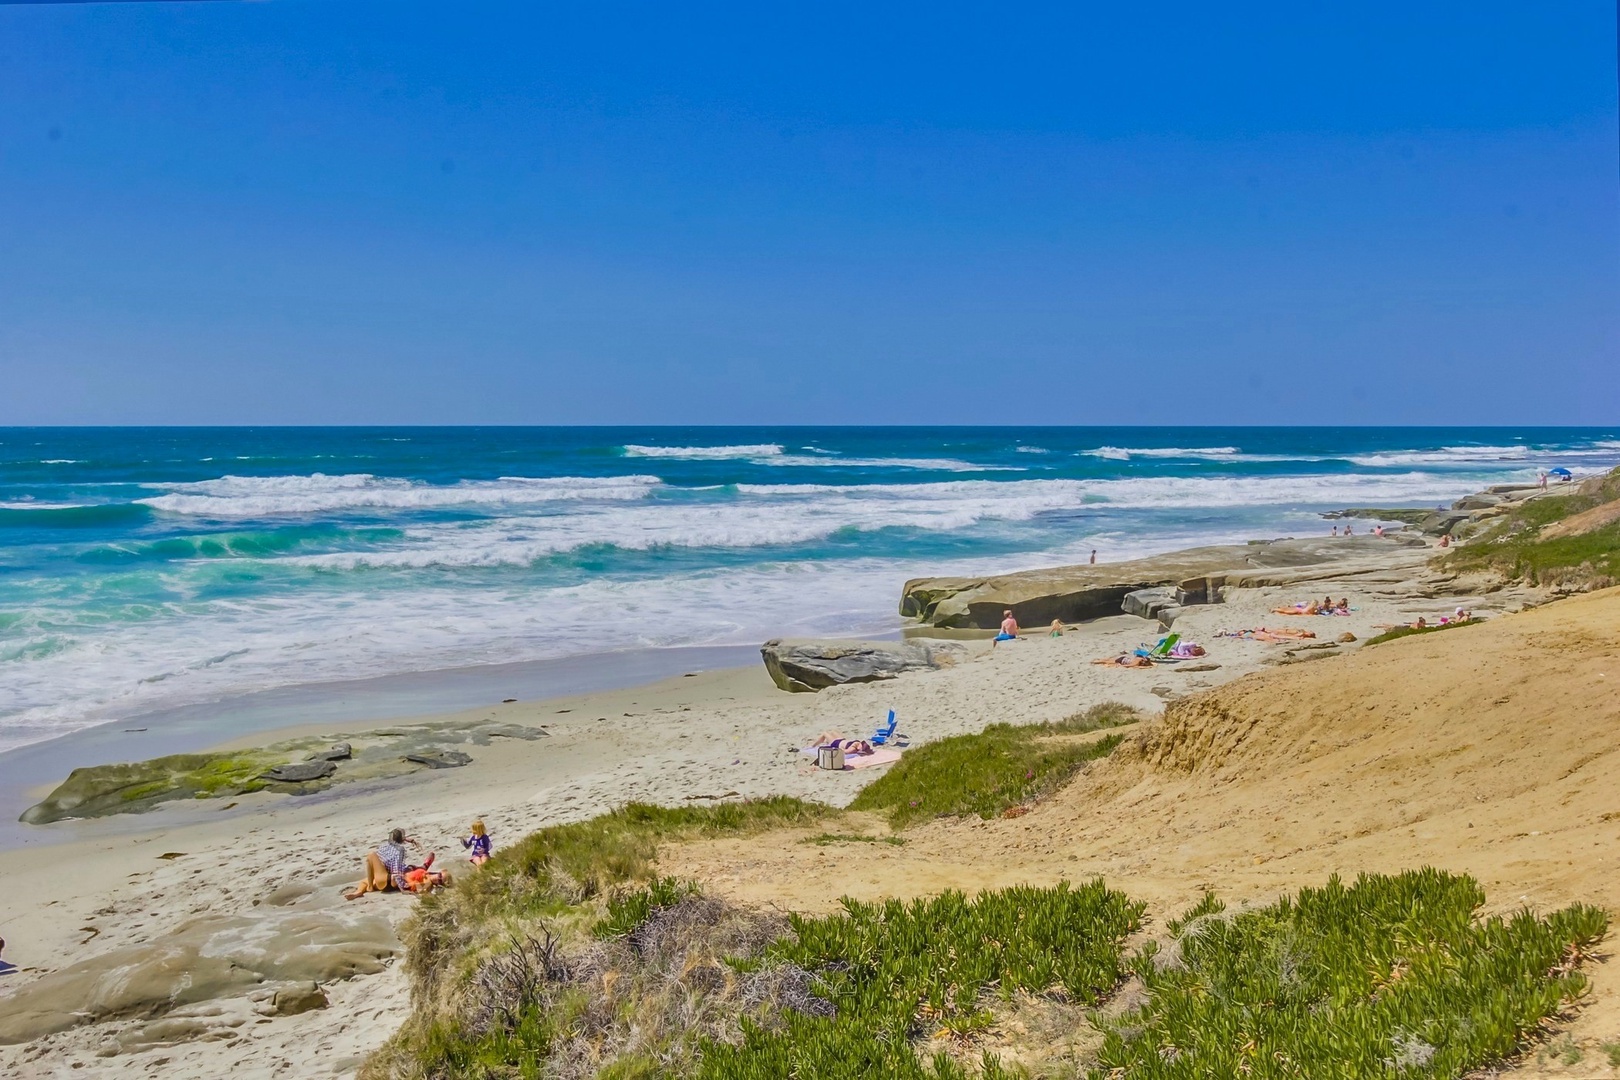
{"x":331,"y":211}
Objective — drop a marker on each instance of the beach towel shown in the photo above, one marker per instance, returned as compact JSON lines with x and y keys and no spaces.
{"x":876,"y":757}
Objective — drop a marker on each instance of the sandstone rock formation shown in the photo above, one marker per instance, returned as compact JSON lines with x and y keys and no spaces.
{"x":205,"y":960}
{"x":804,"y":666}
{"x":1195,"y":576}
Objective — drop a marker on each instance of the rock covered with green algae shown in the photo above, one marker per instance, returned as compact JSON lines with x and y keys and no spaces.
{"x":132,"y":787}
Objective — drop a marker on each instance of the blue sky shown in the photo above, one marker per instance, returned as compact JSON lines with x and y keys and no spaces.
{"x":340,"y":212}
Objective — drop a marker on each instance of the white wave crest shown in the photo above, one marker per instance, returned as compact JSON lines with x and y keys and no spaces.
{"x":704,"y":453}
{"x":269,"y":496}
{"x":1125,"y":453}
{"x":1456,"y":456}
{"x":1032,"y":450}
{"x":29,"y":504}
{"x":768,"y":516}
{"x":925,"y":464}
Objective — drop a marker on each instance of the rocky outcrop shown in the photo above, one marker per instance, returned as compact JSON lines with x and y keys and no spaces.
{"x":203,"y":961}
{"x":807,"y":666}
{"x":1195,"y":576}
{"x":440,"y":759}
{"x":295,"y":767}
{"x":301,"y":773}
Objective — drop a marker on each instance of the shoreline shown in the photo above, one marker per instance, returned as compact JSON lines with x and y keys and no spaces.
{"x":27,"y":772}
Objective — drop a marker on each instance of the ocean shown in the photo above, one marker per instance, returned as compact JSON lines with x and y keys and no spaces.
{"x":161,"y":568}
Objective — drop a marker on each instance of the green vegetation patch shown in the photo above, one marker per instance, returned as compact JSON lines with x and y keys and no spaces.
{"x":1393,"y":976}
{"x":894,"y":972}
{"x":558,"y":869}
{"x":1513,"y":548}
{"x":1004,"y":765}
{"x":1411,"y":631}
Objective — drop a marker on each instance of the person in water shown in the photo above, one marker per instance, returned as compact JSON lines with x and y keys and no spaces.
{"x":1009,"y":628}
{"x":478,"y":844}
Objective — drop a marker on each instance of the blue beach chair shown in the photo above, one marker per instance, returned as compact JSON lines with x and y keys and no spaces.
{"x":885,"y":733}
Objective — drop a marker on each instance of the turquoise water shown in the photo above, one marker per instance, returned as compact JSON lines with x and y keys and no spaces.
{"x":144,"y":569}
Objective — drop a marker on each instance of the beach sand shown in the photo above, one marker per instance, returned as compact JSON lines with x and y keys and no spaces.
{"x":266,"y":873}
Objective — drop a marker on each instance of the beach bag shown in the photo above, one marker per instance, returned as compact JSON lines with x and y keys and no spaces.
{"x":830,"y":757}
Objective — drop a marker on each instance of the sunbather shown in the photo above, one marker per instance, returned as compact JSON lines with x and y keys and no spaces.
{"x":1009,"y":628}
{"x":1057,"y":628}
{"x":424,"y":879}
{"x":1126,"y":660}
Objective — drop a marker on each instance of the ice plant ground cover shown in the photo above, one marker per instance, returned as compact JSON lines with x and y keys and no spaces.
{"x":1391,"y":976}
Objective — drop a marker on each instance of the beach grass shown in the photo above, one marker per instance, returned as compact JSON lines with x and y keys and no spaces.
{"x":559,"y":868}
{"x":990,"y":772}
{"x":1392,"y":975}
{"x":1399,"y":632}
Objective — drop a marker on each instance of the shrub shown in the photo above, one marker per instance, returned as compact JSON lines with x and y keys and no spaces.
{"x":986,"y":773}
{"x":1392,"y":976}
{"x":896,"y":971}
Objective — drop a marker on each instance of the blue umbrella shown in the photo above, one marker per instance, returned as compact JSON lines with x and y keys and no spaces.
{"x":1559,"y":472}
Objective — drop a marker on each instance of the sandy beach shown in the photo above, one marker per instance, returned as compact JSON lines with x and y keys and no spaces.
{"x":262,"y":875}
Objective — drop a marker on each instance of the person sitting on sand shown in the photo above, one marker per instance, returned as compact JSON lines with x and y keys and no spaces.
{"x":5,"y":968}
{"x":1445,"y":540}
{"x":1421,"y":624}
{"x":1378,"y":530}
{"x":479,"y":843}
{"x":1009,"y":628}
{"x":1057,"y":628}
{"x":385,"y":867}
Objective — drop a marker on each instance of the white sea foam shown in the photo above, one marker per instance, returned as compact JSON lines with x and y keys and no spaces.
{"x":704,"y":453}
{"x":1032,"y":450}
{"x":61,"y":461}
{"x":231,"y":497}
